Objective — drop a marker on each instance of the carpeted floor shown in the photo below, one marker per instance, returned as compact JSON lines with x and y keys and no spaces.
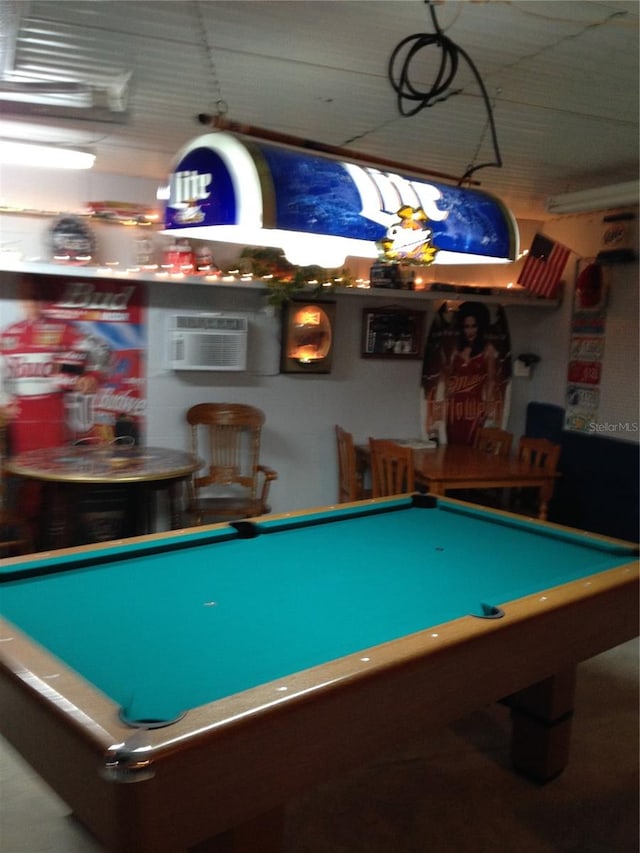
{"x":450,"y":792}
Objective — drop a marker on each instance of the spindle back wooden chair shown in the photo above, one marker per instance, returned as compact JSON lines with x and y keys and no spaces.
{"x":495,"y":441}
{"x":539,"y":452}
{"x":392,"y":470}
{"x":350,"y":479}
{"x":234,"y":484}
{"x":542,"y":454}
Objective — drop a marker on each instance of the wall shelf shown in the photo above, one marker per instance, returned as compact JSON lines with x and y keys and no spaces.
{"x":111,"y":218}
{"x":495,"y":295}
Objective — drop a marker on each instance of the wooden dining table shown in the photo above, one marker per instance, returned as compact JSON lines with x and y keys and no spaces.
{"x":447,"y":467}
{"x":91,"y":493}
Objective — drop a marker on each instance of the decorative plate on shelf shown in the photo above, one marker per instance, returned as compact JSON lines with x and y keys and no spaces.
{"x":72,"y":241}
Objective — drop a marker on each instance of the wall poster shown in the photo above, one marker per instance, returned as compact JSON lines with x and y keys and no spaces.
{"x":466,"y":373}
{"x":72,"y":361}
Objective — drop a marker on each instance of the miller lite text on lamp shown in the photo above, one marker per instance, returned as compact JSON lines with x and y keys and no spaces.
{"x":319,"y":209}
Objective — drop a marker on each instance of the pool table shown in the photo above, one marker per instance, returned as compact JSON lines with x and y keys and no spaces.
{"x":177,"y":689}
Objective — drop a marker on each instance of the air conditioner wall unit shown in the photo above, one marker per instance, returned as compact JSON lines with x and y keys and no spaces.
{"x":216,"y":342}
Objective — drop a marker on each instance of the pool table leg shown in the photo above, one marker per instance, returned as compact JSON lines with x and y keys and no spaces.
{"x":262,"y":834}
{"x":541,"y":718}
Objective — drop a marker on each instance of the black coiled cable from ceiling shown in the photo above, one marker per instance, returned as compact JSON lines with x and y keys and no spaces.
{"x":439,"y":91}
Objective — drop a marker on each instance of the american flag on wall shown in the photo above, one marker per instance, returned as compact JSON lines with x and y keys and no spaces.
{"x":544,"y":266}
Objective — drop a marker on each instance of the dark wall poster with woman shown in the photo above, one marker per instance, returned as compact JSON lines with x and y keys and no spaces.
{"x":466,"y":373}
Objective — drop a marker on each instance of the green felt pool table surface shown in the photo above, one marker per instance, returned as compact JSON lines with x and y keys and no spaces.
{"x":166,"y":629}
{"x":287,"y":607}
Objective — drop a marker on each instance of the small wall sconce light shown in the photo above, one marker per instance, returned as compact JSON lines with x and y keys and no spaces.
{"x":307,"y":337}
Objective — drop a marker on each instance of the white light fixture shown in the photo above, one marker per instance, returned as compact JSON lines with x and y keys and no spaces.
{"x":598,"y":198}
{"x":44,"y":156}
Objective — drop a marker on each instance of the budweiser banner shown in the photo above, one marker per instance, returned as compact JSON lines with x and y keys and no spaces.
{"x":72,"y":361}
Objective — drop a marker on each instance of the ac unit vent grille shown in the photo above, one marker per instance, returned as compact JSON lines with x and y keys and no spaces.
{"x":220,"y":350}
{"x":209,"y":323}
{"x":208,"y":342}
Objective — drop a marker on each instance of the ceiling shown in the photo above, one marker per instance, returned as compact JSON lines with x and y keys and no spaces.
{"x":561,"y":83}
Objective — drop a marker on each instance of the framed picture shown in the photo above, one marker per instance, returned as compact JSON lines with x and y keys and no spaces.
{"x":392,"y":333}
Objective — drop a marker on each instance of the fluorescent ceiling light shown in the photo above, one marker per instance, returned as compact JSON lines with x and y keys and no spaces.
{"x":599,"y":198}
{"x":45,"y":156}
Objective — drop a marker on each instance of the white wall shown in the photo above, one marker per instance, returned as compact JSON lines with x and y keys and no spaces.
{"x":367,"y":396}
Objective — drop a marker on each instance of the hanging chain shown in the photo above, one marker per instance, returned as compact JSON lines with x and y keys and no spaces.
{"x":221,"y":106}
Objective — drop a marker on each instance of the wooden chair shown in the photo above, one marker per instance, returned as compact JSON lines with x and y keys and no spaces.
{"x":392,"y":471}
{"x":497,"y":442}
{"x":15,"y":533}
{"x":235,"y":485}
{"x":350,"y":479}
{"x":539,"y":453}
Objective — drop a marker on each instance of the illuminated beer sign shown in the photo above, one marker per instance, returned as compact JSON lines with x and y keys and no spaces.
{"x":319,"y":209}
